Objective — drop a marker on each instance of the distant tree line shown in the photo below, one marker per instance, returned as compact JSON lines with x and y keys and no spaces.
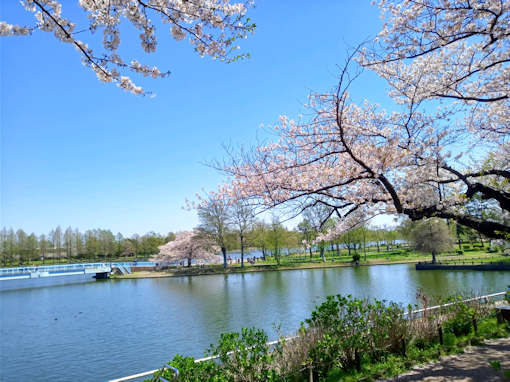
{"x":69,"y":245}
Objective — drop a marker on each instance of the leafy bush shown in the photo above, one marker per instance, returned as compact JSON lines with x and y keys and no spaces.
{"x":243,"y":356}
{"x":190,"y":371}
{"x":460,"y":252}
{"x":462,"y":319}
{"x":356,"y":257}
{"x":351,"y":327}
{"x":246,"y":354}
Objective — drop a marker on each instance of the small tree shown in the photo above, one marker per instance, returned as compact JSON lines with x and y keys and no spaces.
{"x":259,"y":237}
{"x":431,"y":236}
{"x":308,"y":234}
{"x":242,"y":218}
{"x":188,"y":245}
{"x":43,"y":247}
{"x":275,"y":238}
{"x":317,"y":215}
{"x":214,"y":216}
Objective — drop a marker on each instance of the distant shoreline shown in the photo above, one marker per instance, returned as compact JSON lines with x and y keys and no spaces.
{"x":248,"y":269}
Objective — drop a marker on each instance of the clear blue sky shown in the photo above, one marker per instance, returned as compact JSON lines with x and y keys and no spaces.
{"x":78,"y":152}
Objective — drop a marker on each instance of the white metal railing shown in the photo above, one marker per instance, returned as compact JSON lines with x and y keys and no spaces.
{"x":50,"y":268}
{"x":432,"y":308}
{"x":71,"y":267}
{"x":290,"y":338}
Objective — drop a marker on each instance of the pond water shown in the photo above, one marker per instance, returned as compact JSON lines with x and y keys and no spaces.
{"x":72,"y":328}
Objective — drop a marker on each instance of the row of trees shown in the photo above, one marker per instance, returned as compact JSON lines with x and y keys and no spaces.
{"x":226,"y":226}
{"x":224,"y":217}
{"x":272,"y":239}
{"x":19,"y":247}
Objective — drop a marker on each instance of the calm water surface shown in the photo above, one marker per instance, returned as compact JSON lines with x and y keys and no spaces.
{"x":69,"y":328}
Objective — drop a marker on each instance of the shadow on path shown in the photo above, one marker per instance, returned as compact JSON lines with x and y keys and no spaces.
{"x":473,"y":365}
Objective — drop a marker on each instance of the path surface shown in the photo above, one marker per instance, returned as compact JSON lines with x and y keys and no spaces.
{"x":473,"y":365}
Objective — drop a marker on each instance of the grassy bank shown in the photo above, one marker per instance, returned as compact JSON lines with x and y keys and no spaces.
{"x":303,"y":261}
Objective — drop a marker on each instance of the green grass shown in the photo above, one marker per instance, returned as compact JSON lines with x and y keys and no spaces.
{"x":392,"y":256}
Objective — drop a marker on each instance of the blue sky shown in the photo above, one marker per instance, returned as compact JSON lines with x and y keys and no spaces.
{"x":78,"y":152}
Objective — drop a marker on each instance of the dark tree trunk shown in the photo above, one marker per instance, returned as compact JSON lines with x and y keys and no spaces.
{"x":277,"y":257}
{"x":311,"y":253}
{"x":322,"y":253}
{"x":264,"y":253}
{"x":189,"y":262}
{"x":480,"y":237}
{"x":242,"y":251}
{"x":433,"y":256}
{"x":224,"y":252}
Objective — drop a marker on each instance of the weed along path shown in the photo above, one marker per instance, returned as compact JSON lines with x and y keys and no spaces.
{"x":488,"y":363}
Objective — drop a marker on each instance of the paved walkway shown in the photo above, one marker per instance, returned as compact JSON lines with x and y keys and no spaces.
{"x":473,"y":365}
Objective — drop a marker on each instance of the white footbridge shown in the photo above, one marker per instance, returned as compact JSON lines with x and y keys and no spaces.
{"x":99,"y":270}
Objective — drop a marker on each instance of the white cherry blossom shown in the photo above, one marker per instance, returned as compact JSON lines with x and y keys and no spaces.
{"x":210,"y":26}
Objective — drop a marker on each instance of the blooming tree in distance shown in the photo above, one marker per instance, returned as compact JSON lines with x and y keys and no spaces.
{"x":445,"y":145}
{"x":188,"y":246}
{"x":210,"y":26}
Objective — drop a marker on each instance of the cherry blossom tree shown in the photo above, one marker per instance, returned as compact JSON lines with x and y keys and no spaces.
{"x":455,"y":50}
{"x":210,"y":26}
{"x":450,"y":93}
{"x":188,"y":245}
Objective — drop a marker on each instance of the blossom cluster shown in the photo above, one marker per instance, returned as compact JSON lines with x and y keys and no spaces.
{"x":453,"y":50}
{"x":211,"y":27}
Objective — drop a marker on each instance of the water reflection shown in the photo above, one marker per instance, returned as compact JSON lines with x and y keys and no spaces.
{"x":102,"y":330}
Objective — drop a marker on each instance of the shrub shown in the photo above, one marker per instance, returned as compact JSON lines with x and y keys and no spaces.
{"x":352,"y":327}
{"x":191,"y":371}
{"x":245,"y":355}
{"x":356,"y":257}
{"x":460,"y":252}
{"x":420,"y":343}
{"x":462,"y":319}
